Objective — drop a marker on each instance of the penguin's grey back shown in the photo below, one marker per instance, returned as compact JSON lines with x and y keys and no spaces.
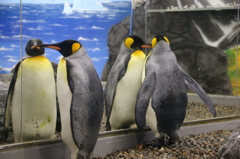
{"x":85,"y":84}
{"x":169,"y":98}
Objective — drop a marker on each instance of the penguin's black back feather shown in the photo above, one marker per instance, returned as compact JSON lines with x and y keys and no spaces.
{"x":143,"y":99}
{"x":10,"y":91}
{"x":117,"y":71}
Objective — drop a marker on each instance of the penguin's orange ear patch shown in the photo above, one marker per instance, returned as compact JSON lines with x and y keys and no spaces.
{"x":146,"y":46}
{"x":128,"y":42}
{"x":75,"y":47}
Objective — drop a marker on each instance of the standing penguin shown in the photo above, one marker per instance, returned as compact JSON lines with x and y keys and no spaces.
{"x":80,"y":97}
{"x":123,"y":83}
{"x":162,"y":99}
{"x":31,"y":100}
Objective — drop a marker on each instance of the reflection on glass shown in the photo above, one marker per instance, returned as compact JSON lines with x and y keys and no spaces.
{"x":31,"y":101}
{"x":197,"y":111}
{"x":204,"y":42}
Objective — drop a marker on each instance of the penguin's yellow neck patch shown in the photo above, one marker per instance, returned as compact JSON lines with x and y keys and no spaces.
{"x":75,"y":47}
{"x":62,"y":62}
{"x":38,"y":58}
{"x":138,"y":53}
{"x":62,"y":69}
{"x":128,"y":42}
{"x":36,"y":62}
{"x":137,"y":59}
{"x":166,"y":39}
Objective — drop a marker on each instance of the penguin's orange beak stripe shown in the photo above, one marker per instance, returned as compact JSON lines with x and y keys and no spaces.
{"x":146,"y":46}
{"x":54,"y":47}
{"x":33,"y":47}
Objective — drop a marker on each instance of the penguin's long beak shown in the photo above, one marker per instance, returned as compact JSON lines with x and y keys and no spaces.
{"x":52,"y":46}
{"x":146,"y":46}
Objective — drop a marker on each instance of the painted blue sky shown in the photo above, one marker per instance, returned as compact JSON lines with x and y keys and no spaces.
{"x":48,"y":22}
{"x":49,"y":1}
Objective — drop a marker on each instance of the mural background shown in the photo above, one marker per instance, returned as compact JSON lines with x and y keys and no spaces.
{"x":85,"y":21}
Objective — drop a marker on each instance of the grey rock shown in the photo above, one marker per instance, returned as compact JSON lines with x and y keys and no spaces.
{"x":231,"y":146}
{"x":3,"y":95}
{"x":5,"y":78}
{"x":208,"y":65}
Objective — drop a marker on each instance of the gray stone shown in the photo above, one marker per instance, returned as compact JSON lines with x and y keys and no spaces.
{"x":231,"y":146}
{"x":3,"y":95}
{"x":208,"y":65}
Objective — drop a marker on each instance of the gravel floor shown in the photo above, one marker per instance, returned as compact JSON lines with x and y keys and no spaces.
{"x":201,"y":146}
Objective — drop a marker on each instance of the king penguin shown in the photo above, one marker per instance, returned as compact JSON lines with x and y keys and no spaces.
{"x":123,"y":83}
{"x":31,"y":100}
{"x":162,"y":98}
{"x":80,"y":97}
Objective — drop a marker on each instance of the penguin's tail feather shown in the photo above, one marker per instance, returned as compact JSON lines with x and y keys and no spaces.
{"x":108,"y":126}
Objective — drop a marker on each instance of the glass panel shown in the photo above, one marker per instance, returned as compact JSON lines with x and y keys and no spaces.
{"x":53,"y":21}
{"x":204,"y":38}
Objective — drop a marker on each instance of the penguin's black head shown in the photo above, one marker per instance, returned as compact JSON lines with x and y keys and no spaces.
{"x":134,"y":42}
{"x":32,"y":47}
{"x":159,"y":38}
{"x":66,"y":47}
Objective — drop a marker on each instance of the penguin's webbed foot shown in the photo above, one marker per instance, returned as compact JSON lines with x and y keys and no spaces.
{"x":154,"y":143}
{"x":150,"y":143}
{"x":160,"y":142}
{"x":171,"y":141}
{"x":173,"y":138}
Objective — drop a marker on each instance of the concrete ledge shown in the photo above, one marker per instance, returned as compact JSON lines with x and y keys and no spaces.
{"x":216,"y":99}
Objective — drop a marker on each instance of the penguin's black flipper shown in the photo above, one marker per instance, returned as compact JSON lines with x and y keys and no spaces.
{"x":143,"y":99}
{"x":116,"y":73}
{"x":7,"y":116}
{"x":191,"y":83}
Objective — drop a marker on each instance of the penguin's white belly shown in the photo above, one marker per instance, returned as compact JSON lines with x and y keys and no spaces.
{"x":34,"y":101}
{"x":65,"y":99}
{"x":151,"y":119}
{"x":123,"y":109}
